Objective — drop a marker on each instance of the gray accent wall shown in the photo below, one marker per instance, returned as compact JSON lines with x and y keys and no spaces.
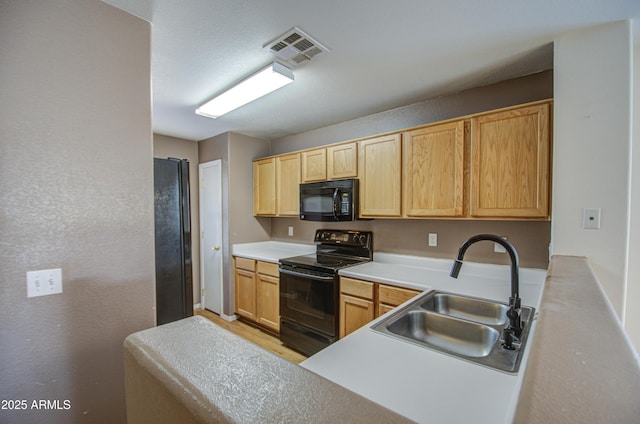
{"x":76,"y":180}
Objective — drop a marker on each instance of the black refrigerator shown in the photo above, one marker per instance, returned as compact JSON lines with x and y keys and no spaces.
{"x":174,"y":287}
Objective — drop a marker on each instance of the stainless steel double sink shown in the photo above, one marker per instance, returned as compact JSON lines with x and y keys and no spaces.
{"x":466,"y":327}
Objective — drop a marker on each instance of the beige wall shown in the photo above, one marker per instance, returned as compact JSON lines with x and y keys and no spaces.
{"x":507,"y":93}
{"x":166,"y":147}
{"x":410,"y":236}
{"x":593,"y":156}
{"x":76,"y":194}
{"x":236,"y":152}
{"x":632,"y":306}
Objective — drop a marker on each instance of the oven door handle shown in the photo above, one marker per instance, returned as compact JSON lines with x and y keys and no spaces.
{"x":303,"y":275}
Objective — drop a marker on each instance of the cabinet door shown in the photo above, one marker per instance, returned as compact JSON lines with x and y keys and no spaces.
{"x":510,"y":163}
{"x":354,"y":313}
{"x":288,"y":185}
{"x":314,"y":165}
{"x":264,"y":187}
{"x":433,"y":169}
{"x":268,"y":302}
{"x":342,"y":161}
{"x":379,"y":170}
{"x":245,"y":294}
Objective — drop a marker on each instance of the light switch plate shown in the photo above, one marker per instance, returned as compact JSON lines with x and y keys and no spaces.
{"x":44,"y":282}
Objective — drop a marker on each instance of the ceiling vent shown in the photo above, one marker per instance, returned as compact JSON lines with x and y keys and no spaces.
{"x":295,"y":47}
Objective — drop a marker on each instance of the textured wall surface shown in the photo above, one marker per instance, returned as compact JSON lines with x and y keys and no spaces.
{"x":77,"y":194}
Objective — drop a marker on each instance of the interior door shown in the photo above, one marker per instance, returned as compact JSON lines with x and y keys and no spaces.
{"x":211,"y":249}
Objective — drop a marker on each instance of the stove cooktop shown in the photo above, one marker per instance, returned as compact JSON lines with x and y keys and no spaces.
{"x":321,"y":261}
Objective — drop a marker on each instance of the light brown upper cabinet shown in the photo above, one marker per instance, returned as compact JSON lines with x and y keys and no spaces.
{"x":288,"y":185}
{"x":379,"y":170}
{"x":264,"y":187}
{"x":433,"y":170}
{"x":342,"y":161}
{"x":510,"y":152}
{"x":331,"y":163}
{"x":314,"y":165}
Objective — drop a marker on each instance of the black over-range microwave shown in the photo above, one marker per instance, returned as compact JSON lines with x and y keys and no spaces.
{"x":329,"y":200}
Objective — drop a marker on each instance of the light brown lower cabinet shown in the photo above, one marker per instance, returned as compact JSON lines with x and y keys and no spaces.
{"x":268,"y":296}
{"x":245,"y":282}
{"x":257,"y":292}
{"x":363,"y":301}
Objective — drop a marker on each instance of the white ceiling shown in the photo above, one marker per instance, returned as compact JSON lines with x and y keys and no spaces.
{"x":384,"y":54}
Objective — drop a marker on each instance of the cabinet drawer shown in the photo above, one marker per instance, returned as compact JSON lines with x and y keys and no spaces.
{"x":244,"y":263}
{"x":268,"y":268}
{"x":395,"y":296}
{"x":357,"y":288}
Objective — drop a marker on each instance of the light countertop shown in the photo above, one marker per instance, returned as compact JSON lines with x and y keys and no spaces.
{"x":271,"y":251}
{"x":421,"y":384}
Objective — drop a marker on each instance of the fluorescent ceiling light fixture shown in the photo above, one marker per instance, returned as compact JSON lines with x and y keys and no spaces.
{"x":257,"y":85}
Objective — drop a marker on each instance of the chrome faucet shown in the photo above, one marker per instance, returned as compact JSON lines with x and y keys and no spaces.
{"x":514,"y":329}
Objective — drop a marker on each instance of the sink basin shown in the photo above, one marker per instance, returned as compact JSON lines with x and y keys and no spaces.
{"x":465,"y":327}
{"x":470,"y":308}
{"x":454,"y":335}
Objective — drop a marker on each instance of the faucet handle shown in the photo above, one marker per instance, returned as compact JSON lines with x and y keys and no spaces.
{"x":509,"y":338}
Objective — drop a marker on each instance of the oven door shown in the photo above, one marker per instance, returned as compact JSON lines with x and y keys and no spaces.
{"x":309,"y":300}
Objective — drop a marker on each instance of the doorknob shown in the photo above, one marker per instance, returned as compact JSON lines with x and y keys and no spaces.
{"x":215,"y":248}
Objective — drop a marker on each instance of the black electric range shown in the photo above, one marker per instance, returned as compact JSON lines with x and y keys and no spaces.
{"x":309,"y":288}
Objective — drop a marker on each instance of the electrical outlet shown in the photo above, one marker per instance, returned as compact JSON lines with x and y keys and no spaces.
{"x":44,"y":282}
{"x":290,"y":231}
{"x":433,"y":239}
{"x":498,"y":248}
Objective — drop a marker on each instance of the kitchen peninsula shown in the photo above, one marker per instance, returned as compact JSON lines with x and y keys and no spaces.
{"x":225,"y":376}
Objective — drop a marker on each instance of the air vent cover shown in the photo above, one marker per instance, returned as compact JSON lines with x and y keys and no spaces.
{"x":295,"y":47}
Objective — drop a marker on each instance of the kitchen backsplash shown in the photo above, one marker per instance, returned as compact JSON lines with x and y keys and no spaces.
{"x":410,"y":237}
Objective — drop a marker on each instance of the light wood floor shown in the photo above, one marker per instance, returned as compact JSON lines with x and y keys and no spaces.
{"x":255,"y":335}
